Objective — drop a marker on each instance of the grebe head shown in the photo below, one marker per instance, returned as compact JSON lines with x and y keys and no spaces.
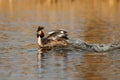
{"x":40,"y":35}
{"x":40,"y":32}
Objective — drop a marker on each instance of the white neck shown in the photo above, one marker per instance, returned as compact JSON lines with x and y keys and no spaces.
{"x":40,"y":41}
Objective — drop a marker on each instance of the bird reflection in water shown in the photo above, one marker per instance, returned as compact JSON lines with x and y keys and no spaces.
{"x":39,"y":57}
{"x":50,"y":60}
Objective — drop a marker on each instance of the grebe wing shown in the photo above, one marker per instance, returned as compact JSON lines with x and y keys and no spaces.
{"x":57,"y":34}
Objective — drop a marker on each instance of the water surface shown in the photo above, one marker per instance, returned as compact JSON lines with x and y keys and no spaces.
{"x":90,"y":20}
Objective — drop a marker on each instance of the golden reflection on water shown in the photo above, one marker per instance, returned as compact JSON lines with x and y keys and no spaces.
{"x":94,"y":67}
{"x":89,"y":66}
{"x":95,"y":21}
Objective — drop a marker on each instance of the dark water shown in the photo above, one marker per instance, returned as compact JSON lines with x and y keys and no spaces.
{"x":94,"y":21}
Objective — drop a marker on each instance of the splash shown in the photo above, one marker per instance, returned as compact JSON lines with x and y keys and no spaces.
{"x":80,"y":44}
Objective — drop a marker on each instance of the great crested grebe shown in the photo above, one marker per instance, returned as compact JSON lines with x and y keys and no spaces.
{"x":56,"y":38}
{"x":59,"y":38}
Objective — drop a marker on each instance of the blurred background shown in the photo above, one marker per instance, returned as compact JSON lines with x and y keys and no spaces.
{"x":86,"y":19}
{"x":94,"y":21}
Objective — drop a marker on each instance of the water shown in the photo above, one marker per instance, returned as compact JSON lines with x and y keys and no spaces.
{"x":92,"y":21}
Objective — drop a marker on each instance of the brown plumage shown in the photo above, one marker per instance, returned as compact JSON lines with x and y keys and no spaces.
{"x":57,"y":38}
